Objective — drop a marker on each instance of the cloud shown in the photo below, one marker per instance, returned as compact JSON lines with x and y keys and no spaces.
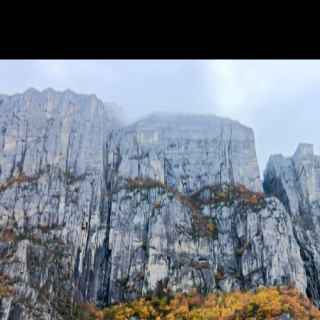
{"x":244,"y":86}
{"x":279,"y":99}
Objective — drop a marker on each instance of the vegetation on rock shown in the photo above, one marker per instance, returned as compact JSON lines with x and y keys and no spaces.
{"x":264,"y":303}
{"x":17,"y":180}
{"x":216,"y":195}
{"x":6,"y":289}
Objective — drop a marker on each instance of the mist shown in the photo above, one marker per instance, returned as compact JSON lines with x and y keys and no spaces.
{"x":279,"y":99}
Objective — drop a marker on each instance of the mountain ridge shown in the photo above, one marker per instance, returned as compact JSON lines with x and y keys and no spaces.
{"x":92,"y":211}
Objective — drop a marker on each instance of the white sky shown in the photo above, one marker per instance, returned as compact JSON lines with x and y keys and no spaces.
{"x":278,"y":98}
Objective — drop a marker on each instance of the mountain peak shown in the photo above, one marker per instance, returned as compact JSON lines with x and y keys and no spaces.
{"x":304,"y":150}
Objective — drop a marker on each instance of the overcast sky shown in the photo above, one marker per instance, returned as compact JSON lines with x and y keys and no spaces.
{"x":278,"y":99}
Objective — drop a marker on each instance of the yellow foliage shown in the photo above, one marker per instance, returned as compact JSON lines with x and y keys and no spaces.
{"x":16,"y":180}
{"x":6,"y":289}
{"x":265,"y":303}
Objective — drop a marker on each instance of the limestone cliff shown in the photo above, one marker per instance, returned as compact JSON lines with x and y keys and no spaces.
{"x":186,"y":210}
{"x":296,"y":181}
{"x":91,"y":211}
{"x":52,"y":199}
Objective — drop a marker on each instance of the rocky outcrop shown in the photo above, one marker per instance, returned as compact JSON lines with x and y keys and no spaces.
{"x":186,"y":210}
{"x":52,"y":198}
{"x":296,"y":182}
{"x":93,"y":212}
{"x":189,"y":151}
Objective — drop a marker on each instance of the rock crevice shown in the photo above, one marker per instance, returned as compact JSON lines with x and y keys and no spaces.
{"x":91,"y":211}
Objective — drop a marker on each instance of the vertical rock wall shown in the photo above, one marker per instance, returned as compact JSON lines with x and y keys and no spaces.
{"x":296,"y":182}
{"x":52,"y":197}
{"x":187,"y":210}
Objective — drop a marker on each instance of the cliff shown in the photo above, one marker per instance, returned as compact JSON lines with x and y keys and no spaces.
{"x":186,"y":210}
{"x":296,"y":182}
{"x":52,"y":197}
{"x":92,"y":211}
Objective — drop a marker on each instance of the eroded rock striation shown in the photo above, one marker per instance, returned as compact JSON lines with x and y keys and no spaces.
{"x":186,"y":210}
{"x":296,"y":182}
{"x":52,"y":196}
{"x":92,"y":211}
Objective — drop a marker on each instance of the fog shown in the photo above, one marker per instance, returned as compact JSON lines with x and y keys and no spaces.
{"x":279,"y":99}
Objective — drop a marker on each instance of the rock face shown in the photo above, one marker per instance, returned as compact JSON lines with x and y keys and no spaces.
{"x":52,"y":199}
{"x":190,"y":151}
{"x":93,"y":212}
{"x":296,"y":181}
{"x":186,"y":210}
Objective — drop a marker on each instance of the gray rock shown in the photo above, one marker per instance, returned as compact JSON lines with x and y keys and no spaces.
{"x":285,"y":317}
{"x":164,"y":174}
{"x":296,"y":182}
{"x":93,"y":212}
{"x":52,"y":191}
{"x":190,"y":151}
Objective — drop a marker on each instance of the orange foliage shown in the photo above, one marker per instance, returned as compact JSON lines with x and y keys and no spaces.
{"x":265,"y":303}
{"x":7,"y":235}
{"x":6,"y":289}
{"x":16,"y":180}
